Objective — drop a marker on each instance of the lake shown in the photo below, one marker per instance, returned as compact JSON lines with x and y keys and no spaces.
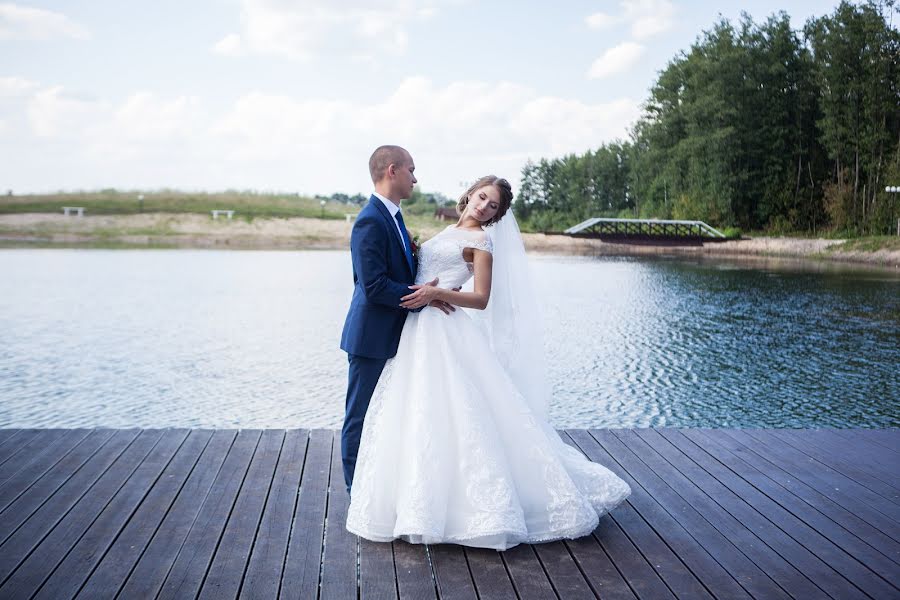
{"x":207,"y":338}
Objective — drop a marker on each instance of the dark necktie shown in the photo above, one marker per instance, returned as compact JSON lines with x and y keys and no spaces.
{"x":406,"y":244}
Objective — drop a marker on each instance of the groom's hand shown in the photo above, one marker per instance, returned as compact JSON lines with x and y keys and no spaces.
{"x":440,"y":304}
{"x":422,"y":295}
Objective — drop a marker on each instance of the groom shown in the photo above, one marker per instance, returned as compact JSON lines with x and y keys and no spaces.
{"x":383,"y":268}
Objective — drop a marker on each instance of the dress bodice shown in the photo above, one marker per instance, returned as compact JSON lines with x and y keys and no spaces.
{"x":442,"y":256}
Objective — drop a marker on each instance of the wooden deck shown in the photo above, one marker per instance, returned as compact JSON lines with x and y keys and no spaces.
{"x":174,"y":513}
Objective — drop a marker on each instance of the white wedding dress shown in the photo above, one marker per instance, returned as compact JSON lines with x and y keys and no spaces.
{"x":451,"y":452}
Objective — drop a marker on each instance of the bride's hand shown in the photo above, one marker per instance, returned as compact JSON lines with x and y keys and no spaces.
{"x":422,"y":296}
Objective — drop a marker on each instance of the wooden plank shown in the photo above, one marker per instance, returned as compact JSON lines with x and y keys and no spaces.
{"x":712,"y":514}
{"x":717,"y":544}
{"x":33,"y":515}
{"x":889,"y":438}
{"x":8,"y":434}
{"x":29,"y":556}
{"x":641,"y":578}
{"x":670,"y":576}
{"x":868,"y":439}
{"x":489,"y":574}
{"x":712,"y":575}
{"x":726,"y":505}
{"x":845,"y":458}
{"x":868,"y":505}
{"x":451,"y":572}
{"x":19,"y":443}
{"x":846,"y":448}
{"x":31,"y":451}
{"x":870,"y":456}
{"x":563,"y":573}
{"x":225,"y":574}
{"x":16,"y":504}
{"x":857,"y":548}
{"x":785,"y":574}
{"x":821,"y":502}
{"x":341,"y":547}
{"x":14,"y":485}
{"x":604,"y":578}
{"x":263,"y":576}
{"x":527,"y":574}
{"x":413,"y":571}
{"x":171,"y":451}
{"x":377,"y":577}
{"x":302,"y":566}
{"x":188,"y":572}
{"x":832,"y":554}
{"x":147,"y":577}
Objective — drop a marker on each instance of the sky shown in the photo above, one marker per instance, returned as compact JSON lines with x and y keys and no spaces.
{"x":293,"y":96}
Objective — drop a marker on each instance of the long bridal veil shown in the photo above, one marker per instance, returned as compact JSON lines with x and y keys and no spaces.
{"x":513,"y":319}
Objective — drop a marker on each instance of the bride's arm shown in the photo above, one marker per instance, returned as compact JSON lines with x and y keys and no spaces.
{"x":478,"y":299}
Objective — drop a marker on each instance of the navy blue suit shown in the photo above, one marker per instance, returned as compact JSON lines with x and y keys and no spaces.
{"x":382,"y":272}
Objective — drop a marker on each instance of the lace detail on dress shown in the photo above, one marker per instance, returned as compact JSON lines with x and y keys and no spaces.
{"x":442,"y":257}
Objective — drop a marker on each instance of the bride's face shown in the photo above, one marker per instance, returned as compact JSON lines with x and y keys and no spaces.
{"x":484,"y":203}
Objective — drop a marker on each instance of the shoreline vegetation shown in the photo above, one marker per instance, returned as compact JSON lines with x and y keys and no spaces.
{"x":757,"y":126}
{"x":201,"y":231}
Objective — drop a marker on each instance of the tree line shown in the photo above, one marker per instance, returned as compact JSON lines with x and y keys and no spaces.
{"x":758,"y":127}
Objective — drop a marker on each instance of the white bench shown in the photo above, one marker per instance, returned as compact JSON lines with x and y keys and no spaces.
{"x":78,"y":209}
{"x":228,"y":213}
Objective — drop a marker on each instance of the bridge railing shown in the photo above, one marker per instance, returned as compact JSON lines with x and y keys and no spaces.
{"x":646,"y":227}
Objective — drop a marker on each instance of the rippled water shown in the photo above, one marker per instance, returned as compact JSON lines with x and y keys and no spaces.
{"x":205,"y":338}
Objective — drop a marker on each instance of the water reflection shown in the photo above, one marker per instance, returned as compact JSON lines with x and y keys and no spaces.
{"x":250,"y":339}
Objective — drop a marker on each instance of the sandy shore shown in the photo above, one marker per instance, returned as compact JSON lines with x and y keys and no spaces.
{"x":166,"y":230}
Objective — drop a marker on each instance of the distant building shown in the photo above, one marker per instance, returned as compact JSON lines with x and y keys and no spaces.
{"x":443,"y":213}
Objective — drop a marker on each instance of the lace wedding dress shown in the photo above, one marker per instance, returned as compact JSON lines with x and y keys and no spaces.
{"x":450,"y":450}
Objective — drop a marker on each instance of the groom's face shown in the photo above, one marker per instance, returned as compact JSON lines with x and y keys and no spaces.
{"x":405,"y":178}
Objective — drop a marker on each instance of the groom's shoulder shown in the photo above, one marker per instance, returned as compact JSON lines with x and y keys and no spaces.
{"x":367,"y":218}
{"x":368,"y":212}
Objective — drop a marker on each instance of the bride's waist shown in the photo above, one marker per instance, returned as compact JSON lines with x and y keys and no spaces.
{"x":446,"y":280}
{"x":442,"y":285}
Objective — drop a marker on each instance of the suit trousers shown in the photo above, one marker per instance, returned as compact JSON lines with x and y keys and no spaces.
{"x":364,"y":374}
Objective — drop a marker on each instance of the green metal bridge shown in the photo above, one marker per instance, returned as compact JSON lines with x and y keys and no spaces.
{"x":649,"y":229}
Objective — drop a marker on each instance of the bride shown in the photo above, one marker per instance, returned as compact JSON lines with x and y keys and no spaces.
{"x":456,"y":446}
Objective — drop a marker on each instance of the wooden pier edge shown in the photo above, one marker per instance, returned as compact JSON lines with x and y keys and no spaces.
{"x":249,"y":513}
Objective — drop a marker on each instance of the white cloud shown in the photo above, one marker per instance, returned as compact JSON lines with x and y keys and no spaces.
{"x":645,"y":18}
{"x":267,"y":141}
{"x":616,"y":60}
{"x":455,"y":132}
{"x":230,"y":45}
{"x":144,"y":117}
{"x":300,"y":30}
{"x":26,"y":23}
{"x":649,"y":17}
{"x":602,"y":21}
{"x":13,"y":87}
{"x":56,"y":112}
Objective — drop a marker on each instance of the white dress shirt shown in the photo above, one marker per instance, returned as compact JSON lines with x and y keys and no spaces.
{"x":393,"y":209}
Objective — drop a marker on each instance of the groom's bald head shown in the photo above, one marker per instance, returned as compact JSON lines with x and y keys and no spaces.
{"x":384,"y":157}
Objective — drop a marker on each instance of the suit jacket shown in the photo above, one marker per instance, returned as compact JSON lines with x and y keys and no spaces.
{"x":381,"y":276}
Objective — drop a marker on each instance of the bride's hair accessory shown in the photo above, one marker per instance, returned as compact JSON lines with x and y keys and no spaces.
{"x":502,"y":186}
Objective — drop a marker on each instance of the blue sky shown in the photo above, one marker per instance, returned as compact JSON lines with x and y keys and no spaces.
{"x":293,"y":96}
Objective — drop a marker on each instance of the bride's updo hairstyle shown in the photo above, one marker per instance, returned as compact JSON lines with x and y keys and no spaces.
{"x":502,"y":186}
